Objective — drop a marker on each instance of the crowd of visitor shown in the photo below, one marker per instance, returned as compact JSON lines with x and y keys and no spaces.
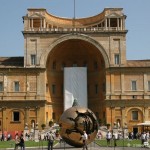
{"x":144,"y":137}
{"x":51,"y":136}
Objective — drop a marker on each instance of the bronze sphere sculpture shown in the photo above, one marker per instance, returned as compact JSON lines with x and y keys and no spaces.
{"x":74,"y":121}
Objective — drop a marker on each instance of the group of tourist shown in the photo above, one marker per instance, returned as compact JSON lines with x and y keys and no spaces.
{"x":6,"y":138}
{"x":19,"y":141}
{"x":144,"y":137}
{"x":51,"y":137}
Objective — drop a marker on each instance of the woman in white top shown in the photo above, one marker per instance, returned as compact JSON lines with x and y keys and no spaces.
{"x":85,"y":138}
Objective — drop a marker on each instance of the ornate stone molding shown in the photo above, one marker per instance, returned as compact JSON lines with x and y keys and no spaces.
{"x":83,"y":37}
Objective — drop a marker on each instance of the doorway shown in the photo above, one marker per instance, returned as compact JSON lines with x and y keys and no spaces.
{"x":135,"y":131}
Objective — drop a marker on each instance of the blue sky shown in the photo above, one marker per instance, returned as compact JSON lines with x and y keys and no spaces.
{"x":137,"y":22}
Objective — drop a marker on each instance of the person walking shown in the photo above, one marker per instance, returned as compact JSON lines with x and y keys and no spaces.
{"x":21,"y":144}
{"x":143,"y":135}
{"x":115,"y":137}
{"x":108,"y":137}
{"x":50,"y":140}
{"x":17,"y":141}
{"x":2,"y":138}
{"x":85,"y":138}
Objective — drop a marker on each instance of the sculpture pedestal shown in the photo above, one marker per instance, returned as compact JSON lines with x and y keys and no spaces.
{"x":26,"y":133}
{"x":36,"y":135}
{"x":126,"y":133}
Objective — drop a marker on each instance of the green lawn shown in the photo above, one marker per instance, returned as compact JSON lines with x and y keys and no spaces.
{"x":11,"y":144}
{"x":130,"y":143}
{"x":120,"y":143}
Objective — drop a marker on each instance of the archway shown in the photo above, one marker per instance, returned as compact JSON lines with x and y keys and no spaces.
{"x":76,"y":53}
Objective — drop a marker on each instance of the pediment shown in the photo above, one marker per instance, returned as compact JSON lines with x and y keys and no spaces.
{"x":36,"y":15}
{"x":113,"y":15}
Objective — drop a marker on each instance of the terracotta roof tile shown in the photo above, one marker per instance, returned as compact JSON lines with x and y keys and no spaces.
{"x":11,"y":62}
{"x":138,"y":63}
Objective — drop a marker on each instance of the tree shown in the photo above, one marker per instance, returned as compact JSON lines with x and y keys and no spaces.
{"x":51,"y":123}
{"x":43,"y":126}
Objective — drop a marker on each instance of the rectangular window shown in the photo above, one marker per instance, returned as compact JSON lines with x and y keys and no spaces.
{"x":75,"y":65}
{"x":95,"y":65}
{"x":54,"y":65}
{"x":46,"y":117}
{"x":84,"y":64}
{"x":1,"y":87}
{"x":133,"y":85}
{"x":96,"y":88}
{"x":148,"y":85}
{"x":104,"y":114}
{"x":53,"y":88}
{"x":16,"y":116}
{"x":16,"y":86}
{"x":46,"y":87}
{"x":63,"y":65}
{"x":134,"y":96}
{"x":33,"y":59}
{"x":117,"y":59}
{"x":53,"y":116}
{"x":104,"y":87}
{"x":134,"y":115}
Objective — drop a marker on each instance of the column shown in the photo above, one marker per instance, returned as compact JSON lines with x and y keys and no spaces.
{"x":108,"y":83}
{"x":112,"y":83}
{"x":117,"y":23}
{"x":121,"y":23}
{"x":112,"y":115}
{"x":5,"y":83}
{"x":37,"y":114}
{"x":146,"y":118}
{"x":44,"y":23}
{"x":4,"y":119}
{"x":123,"y":121}
{"x":105,"y":23}
{"x":145,"y":83}
{"x":36,"y":129}
{"x":26,"y":115}
{"x":109,"y":23}
{"x":41,"y":23}
{"x":32,"y":23}
{"x":29,"y":21}
{"x":122,"y":83}
{"x":26,"y":123}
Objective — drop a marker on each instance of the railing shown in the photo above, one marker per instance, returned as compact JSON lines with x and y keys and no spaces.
{"x":92,"y":29}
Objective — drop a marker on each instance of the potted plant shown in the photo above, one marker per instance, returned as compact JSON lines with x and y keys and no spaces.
{"x":43,"y":126}
{"x":108,"y":125}
{"x":51,"y":123}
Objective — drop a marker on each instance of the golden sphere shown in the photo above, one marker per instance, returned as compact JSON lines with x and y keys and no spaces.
{"x":74,"y":121}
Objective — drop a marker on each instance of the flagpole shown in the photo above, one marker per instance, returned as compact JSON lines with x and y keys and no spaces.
{"x":74,"y":10}
{"x":74,"y":15}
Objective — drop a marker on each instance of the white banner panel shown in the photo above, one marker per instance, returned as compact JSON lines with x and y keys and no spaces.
{"x":75,"y":86}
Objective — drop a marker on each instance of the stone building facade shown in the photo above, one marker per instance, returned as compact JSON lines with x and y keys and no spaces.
{"x":31,"y":87}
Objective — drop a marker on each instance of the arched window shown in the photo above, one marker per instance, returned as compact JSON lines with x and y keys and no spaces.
{"x":118,"y":123}
{"x":32,"y":123}
{"x":54,"y":65}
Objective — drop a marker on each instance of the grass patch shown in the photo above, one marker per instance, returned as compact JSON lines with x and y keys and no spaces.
{"x":120,"y":143}
{"x":103,"y":143}
{"x":11,"y":144}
